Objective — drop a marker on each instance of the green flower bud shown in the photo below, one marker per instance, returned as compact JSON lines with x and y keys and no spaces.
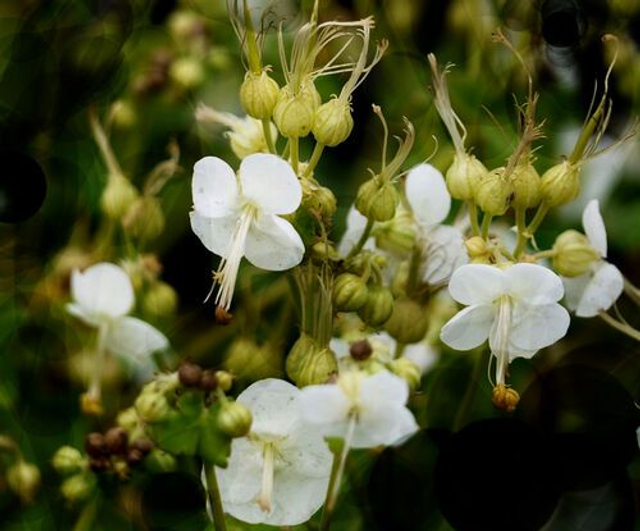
{"x":333,"y":122}
{"x":408,"y":322}
{"x":574,"y":254}
{"x":324,"y":251}
{"x":294,"y":112}
{"x":350,"y":293}
{"x":128,"y":419}
{"x":123,"y":114}
{"x":224,"y":380}
{"x":258,"y":95}
{"x":319,"y":198}
{"x":407,"y":370}
{"x":117,"y":197}
{"x":145,"y":220}
{"x":399,"y":282}
{"x":397,"y":236}
{"x":377,"y":200}
{"x":476,"y":247}
{"x":493,"y":194}
{"x":464,"y":175}
{"x":68,"y":460}
{"x":152,"y":406}
{"x":77,"y":488}
{"x":560,"y":184}
{"x":378,"y":308}
{"x":24,"y":480}
{"x":159,"y":461}
{"x":526,"y":187}
{"x":187,"y":72}
{"x":234,"y":419}
{"x":308,"y":363}
{"x":160,"y":300}
{"x":249,"y":361}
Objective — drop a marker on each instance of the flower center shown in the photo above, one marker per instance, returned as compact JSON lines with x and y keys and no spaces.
{"x":502,"y":335}
{"x":268,"y":470}
{"x":227,"y":272}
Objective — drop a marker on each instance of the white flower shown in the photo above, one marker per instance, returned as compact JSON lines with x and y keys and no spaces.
{"x":430,"y":202}
{"x":241,"y":217}
{"x":598,"y":289}
{"x":516,"y":309}
{"x":371,"y":407}
{"x":279,"y":474}
{"x":103,"y":296}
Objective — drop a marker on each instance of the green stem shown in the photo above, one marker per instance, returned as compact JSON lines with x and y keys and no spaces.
{"x":87,"y":516}
{"x":363,"y":239}
{"x":400,"y":348}
{"x":295,"y":155}
{"x":621,"y":327}
{"x":486,"y":223}
{"x":586,"y":133}
{"x":469,"y":395}
{"x":473,"y":217}
{"x":336,"y":476}
{"x":266,"y":129}
{"x":521,"y":225}
{"x":550,"y":253}
{"x":213,"y":491}
{"x":95,"y":385}
{"x":414,"y":270}
{"x":532,"y":228}
{"x":113,"y":167}
{"x":632,"y":291}
{"x":313,"y":161}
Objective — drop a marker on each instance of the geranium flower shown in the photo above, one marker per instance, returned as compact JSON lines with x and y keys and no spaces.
{"x":236,"y":217}
{"x":599,"y":288}
{"x":516,"y":309}
{"x":365,"y":410}
{"x":279,"y":473}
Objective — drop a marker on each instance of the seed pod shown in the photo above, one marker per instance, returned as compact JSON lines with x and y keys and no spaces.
{"x":408,"y":322}
{"x":493,"y":194}
{"x":377,"y":200}
{"x":560,"y":184}
{"x":116,"y":440}
{"x":378,"y":308}
{"x":574,"y":254}
{"x":96,"y":445}
{"x":234,"y":419}
{"x":117,"y":197}
{"x":258,"y":95}
{"x":464,"y":175}
{"x":350,"y":292}
{"x":295,"y":111}
{"x":308,"y":363}
{"x":143,"y":445}
{"x":397,"y":236}
{"x":333,"y":122}
{"x":526,"y":187}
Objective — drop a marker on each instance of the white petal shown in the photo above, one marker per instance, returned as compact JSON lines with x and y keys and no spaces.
{"x":296,"y":498}
{"x":537,"y":326}
{"x":273,"y":244}
{"x":534,"y":284}
{"x":574,"y":288}
{"x":427,"y":194}
{"x":445,"y":253}
{"x":306,"y":452}
{"x":324,"y":405}
{"x":240,"y":481}
{"x":103,"y":290}
{"x":356,"y":224}
{"x":270,"y":183}
{"x":423,"y":355}
{"x":79,"y":311}
{"x":214,"y":233}
{"x":275,"y":406}
{"x":214,"y":187}
{"x":383,"y":425}
{"x":134,"y":340}
{"x":477,"y":284}
{"x":594,"y":227}
{"x":603,"y":289}
{"x":385,"y":386}
{"x":469,"y":328}
{"x":339,"y":347}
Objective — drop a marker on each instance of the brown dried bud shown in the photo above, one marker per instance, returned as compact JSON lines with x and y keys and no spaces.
{"x":116,"y":440}
{"x":361,"y":350}
{"x":99,"y":464}
{"x":208,"y":381}
{"x":95,"y":445}
{"x":134,"y":456}
{"x":142,"y":445}
{"x":190,"y":374}
{"x":505,"y":398}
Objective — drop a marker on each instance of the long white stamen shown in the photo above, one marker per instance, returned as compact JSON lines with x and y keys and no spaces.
{"x":228,"y":269}
{"x":503,"y":331}
{"x":268,"y":469}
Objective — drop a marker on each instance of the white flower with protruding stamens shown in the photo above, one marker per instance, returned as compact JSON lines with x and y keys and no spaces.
{"x":279,"y":474}
{"x":516,"y":309}
{"x":598,"y":289}
{"x":236,"y":217}
{"x":365,"y":410}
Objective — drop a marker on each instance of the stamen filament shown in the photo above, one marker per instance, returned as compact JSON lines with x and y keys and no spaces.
{"x":503,"y":332}
{"x":268,"y":470}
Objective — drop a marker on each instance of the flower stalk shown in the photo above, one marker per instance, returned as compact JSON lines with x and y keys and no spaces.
{"x":213,"y":492}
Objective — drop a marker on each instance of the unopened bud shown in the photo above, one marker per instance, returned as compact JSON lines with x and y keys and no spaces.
{"x":152,"y":407}
{"x":116,"y":439}
{"x":560,"y":184}
{"x":333,"y":122}
{"x":493,"y":193}
{"x":407,"y":370}
{"x":258,"y":95}
{"x":361,"y":350}
{"x":160,"y":300}
{"x":464,"y":175}
{"x":117,"y":197}
{"x":526,"y":187}
{"x":209,"y":381}
{"x":573,"y":254}
{"x":224,"y":380}
{"x":350,"y":292}
{"x":190,"y":374}
{"x":308,"y":363}
{"x":320,"y":199}
{"x":187,"y":72}
{"x":323,"y":250}
{"x":143,"y":445}
{"x":397,"y":236}
{"x":408,"y":322}
{"x":377,"y":199}
{"x":159,"y":461}
{"x":128,"y":419}
{"x":123,"y":114}
{"x":95,"y":445}
{"x":234,"y":419}
{"x":505,"y":398}
{"x":24,"y":480}
{"x":78,"y":487}
{"x":294,"y":112}
{"x":378,"y":308}
{"x":145,"y":220}
{"x":476,"y":247}
{"x":68,"y":460}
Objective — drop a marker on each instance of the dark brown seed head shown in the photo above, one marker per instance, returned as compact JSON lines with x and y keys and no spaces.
{"x":209,"y":381}
{"x":143,"y":445}
{"x":189,"y":374}
{"x":116,"y":439}
{"x":95,"y":445}
{"x":101,"y":464}
{"x":134,"y":456}
{"x":361,"y":350}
